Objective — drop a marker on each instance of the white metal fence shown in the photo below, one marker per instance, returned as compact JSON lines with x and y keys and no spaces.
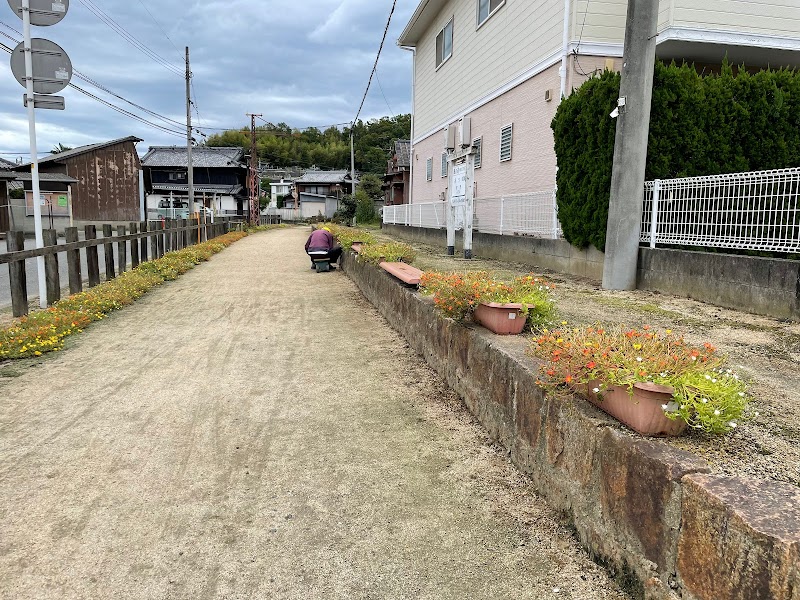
{"x":749,"y":211}
{"x":531,"y":214}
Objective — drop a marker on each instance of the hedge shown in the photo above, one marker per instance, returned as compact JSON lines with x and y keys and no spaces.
{"x":730,"y":122}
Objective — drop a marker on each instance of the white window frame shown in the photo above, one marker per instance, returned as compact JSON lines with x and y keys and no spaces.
{"x":478,"y":143}
{"x":510,"y":129}
{"x":444,"y":165}
{"x":451,"y":25}
{"x":491,"y":12}
{"x":429,"y":169}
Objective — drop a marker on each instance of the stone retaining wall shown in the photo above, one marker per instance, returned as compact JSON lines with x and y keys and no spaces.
{"x":653,"y":514}
{"x":764,"y":286}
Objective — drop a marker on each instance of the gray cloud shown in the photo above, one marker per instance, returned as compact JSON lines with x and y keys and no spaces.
{"x":303,"y":62}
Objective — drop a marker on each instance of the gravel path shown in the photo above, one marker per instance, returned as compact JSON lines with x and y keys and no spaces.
{"x":256,"y":430}
{"x":765,"y":351}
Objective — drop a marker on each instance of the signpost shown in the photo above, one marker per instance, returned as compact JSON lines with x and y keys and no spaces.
{"x":460,"y":206}
{"x":42,"y":68}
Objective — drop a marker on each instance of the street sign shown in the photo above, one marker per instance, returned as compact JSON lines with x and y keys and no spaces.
{"x":52,"y":68}
{"x":43,"y":12}
{"x":45,"y":102}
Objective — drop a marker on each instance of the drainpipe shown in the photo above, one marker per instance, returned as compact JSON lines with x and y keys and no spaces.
{"x":413,"y":104}
{"x":565,"y":50}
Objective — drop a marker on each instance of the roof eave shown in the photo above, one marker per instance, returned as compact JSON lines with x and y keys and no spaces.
{"x":426,"y":12}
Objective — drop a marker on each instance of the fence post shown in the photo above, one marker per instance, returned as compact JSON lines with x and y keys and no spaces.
{"x":134,"y":246}
{"x":143,"y":242}
{"x":122,"y":250}
{"x":502,"y":213}
{"x":183,"y":235}
{"x":108,"y":252}
{"x":555,"y":214}
{"x":155,"y":240}
{"x":16,"y":274}
{"x":92,"y":256}
{"x":73,"y":262}
{"x":654,"y":215}
{"x":51,"y":268}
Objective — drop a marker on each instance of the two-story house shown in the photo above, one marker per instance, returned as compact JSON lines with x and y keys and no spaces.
{"x":318,"y":192}
{"x":397,"y":180}
{"x":219,"y":180}
{"x":507,"y":63}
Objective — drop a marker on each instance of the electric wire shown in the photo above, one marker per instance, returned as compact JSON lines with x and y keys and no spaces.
{"x":166,"y":35}
{"x":380,"y":87}
{"x":377,"y":58}
{"x":128,"y":37}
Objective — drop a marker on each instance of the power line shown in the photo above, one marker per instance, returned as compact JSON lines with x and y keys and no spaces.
{"x":128,"y":37}
{"x":161,"y":28}
{"x":377,"y":58}
{"x":380,"y":87}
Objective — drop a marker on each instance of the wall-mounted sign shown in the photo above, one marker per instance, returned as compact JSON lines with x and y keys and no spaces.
{"x":52,"y":203}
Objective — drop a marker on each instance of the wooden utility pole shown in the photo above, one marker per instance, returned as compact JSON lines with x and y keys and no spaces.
{"x":255,"y":180}
{"x":630,"y":150}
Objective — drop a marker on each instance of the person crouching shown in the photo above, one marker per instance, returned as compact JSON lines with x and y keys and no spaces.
{"x":321,"y":240}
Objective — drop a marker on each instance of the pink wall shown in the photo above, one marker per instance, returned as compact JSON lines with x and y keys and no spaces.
{"x":533,"y":164}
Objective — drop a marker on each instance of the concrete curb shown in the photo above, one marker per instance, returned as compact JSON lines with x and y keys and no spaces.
{"x":651,"y":513}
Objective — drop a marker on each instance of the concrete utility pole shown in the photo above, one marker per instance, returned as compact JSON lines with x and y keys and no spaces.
{"x":255,"y":181}
{"x":190,"y":165}
{"x":630,"y":151}
{"x":352,"y":161}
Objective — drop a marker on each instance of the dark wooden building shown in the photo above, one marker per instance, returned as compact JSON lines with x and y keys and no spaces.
{"x":107,"y":179}
{"x":397,"y":180}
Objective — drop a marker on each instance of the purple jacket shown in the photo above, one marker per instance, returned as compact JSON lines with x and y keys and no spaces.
{"x":320,"y":239}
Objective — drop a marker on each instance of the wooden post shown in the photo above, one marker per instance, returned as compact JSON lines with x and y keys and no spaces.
{"x":73,"y":262}
{"x":16,"y":272}
{"x":51,"y":267}
{"x":134,"y":247}
{"x":92,"y":257}
{"x":160,"y":240}
{"x":182,"y":236}
{"x":143,"y":242}
{"x":122,"y":250}
{"x":108,"y":250}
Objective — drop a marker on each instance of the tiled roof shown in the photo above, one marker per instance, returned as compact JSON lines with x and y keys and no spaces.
{"x":7,"y":164}
{"x":225,"y":190}
{"x":82,"y":150}
{"x":324,"y":177}
{"x":402,"y":149}
{"x":204,"y":157}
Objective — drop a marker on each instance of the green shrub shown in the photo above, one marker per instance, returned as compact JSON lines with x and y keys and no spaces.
{"x":700,"y":125}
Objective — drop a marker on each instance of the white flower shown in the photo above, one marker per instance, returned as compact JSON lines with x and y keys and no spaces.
{"x":741,"y":394}
{"x":729,"y":371}
{"x":713,"y":381}
{"x":732,"y":425}
{"x":694,"y":358}
{"x":596,"y":390}
{"x":704,"y":401}
{"x":717,"y":413}
{"x":663,"y":374}
{"x":663,"y":407}
{"x":758,"y":414}
{"x":638,"y":359}
{"x":708,"y":376}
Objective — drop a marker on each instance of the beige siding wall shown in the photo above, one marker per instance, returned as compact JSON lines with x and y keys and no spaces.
{"x":770,"y":17}
{"x":603,"y":22}
{"x":533,"y":164}
{"x":518,"y":36}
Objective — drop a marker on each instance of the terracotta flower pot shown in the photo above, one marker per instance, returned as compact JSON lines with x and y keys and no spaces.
{"x":642,"y":411}
{"x":356,"y":246}
{"x":504,"y":319}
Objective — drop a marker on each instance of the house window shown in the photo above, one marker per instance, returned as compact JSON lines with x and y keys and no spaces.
{"x":506,"y":137}
{"x":444,"y":164}
{"x":429,"y":169}
{"x":444,"y":44}
{"x":486,"y":8}
{"x":477,"y":143}
{"x":177,"y":176}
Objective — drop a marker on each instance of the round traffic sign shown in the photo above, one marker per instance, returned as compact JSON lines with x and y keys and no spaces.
{"x":52,"y":68}
{"x":43,"y":12}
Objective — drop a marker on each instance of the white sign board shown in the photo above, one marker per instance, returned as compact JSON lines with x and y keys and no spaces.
{"x":458,"y":195}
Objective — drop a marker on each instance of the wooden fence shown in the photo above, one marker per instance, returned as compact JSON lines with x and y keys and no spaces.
{"x":141,"y":241}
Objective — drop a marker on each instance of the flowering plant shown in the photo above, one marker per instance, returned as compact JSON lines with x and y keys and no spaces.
{"x":347,"y":236}
{"x":457,"y":295}
{"x":706,"y":395}
{"x":389,"y":252}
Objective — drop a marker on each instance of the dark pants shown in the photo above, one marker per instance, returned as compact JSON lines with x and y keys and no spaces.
{"x":333,"y":254}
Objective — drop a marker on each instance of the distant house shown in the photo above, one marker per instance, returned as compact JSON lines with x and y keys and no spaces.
{"x":318,"y":192}
{"x":220,"y":178}
{"x":397,"y":181}
{"x":104,"y":180}
{"x":279,"y":189}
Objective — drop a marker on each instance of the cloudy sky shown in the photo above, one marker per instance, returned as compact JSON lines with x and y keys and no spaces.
{"x":303,"y":62}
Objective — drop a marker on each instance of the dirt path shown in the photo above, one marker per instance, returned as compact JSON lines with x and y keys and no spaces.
{"x":256,"y":430}
{"x":763,"y":350}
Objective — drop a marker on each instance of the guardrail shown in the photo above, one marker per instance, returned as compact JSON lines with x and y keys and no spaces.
{"x":145,"y":241}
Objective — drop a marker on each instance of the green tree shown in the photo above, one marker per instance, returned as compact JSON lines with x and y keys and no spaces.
{"x":371,"y":186}
{"x":58,"y":148}
{"x":365,"y":207}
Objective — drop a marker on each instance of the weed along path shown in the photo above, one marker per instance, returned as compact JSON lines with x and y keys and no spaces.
{"x":256,"y":430}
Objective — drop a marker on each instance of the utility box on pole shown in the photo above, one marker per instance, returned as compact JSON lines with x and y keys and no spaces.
{"x":461,"y":173}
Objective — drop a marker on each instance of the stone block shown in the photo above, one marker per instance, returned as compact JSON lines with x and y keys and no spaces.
{"x":640,"y":493}
{"x":739,"y":540}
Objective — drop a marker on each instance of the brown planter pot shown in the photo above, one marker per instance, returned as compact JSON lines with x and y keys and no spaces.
{"x":642,"y":411}
{"x":504,"y":319}
{"x":356,"y":246}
